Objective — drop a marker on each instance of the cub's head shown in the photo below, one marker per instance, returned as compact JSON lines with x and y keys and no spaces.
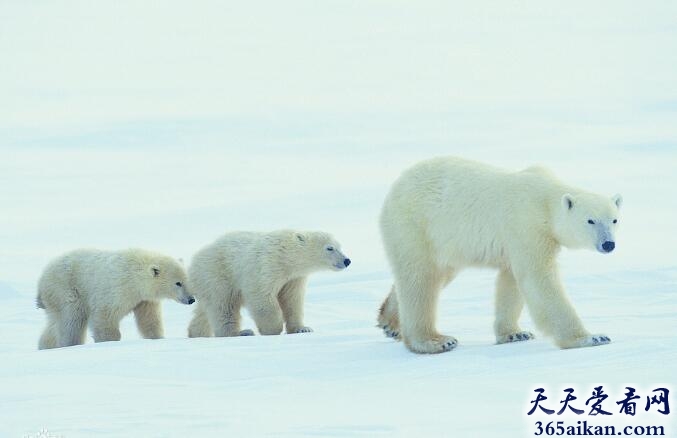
{"x":588,"y":220}
{"x":169,"y":281}
{"x":323,"y":251}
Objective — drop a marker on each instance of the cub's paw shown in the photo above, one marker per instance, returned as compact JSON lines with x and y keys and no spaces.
{"x":301,"y":330}
{"x":595,"y":340}
{"x":438,"y":344}
{"x":587,"y":341}
{"x":391,"y":332}
{"x":515,"y":337}
{"x":247,"y":332}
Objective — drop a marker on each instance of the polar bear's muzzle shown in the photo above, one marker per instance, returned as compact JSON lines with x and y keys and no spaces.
{"x":186,"y":299}
{"x":344,"y":263}
{"x":607,"y":246}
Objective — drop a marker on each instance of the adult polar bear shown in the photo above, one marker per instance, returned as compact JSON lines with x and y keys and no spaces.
{"x":445,"y":214}
{"x":101,"y":287}
{"x":265,"y":272}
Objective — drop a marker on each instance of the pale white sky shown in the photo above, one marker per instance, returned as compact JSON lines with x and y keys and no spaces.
{"x":79,"y":64}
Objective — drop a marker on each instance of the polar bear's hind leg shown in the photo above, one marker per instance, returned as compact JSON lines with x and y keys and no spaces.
{"x":388,"y":317}
{"x":417,"y":297}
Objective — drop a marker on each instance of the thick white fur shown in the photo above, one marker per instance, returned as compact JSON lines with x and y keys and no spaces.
{"x":265,"y":272}
{"x":446,"y":214}
{"x":100,"y":288}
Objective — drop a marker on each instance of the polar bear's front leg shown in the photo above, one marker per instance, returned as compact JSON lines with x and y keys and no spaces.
{"x":508,"y":307}
{"x":266,"y":312}
{"x":549,"y":306}
{"x":291,"y":302}
{"x":148,"y":317}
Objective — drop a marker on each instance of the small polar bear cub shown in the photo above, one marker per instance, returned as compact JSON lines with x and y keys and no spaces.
{"x":100,"y":288}
{"x":264,"y":272}
{"x":446,"y":214}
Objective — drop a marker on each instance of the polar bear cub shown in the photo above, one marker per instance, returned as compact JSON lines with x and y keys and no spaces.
{"x":264,"y":272}
{"x":100,"y":288}
{"x":446,"y":214}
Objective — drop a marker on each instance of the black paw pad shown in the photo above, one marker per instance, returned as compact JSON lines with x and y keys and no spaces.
{"x":390,"y":332}
{"x":598,"y":340}
{"x":449,"y":345}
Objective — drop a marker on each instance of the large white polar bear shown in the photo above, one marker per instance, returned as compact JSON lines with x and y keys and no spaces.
{"x":446,"y":214}
{"x":101,"y":287}
{"x":265,"y":272}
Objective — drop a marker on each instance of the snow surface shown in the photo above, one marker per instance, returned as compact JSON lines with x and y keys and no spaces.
{"x":163,"y":125}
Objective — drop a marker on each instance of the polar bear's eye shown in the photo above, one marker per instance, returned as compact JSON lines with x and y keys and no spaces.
{"x":178,"y":283}
{"x":591,"y":222}
{"x":615,"y":221}
{"x":330,"y":248}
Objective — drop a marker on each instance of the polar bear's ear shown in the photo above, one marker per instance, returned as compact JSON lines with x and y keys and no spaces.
{"x":567,"y":201}
{"x":300,"y":237}
{"x":155,"y":270}
{"x":618,"y":200}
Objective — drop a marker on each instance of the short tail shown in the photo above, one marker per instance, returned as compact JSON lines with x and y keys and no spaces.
{"x":199,"y":326}
{"x":39,"y":303}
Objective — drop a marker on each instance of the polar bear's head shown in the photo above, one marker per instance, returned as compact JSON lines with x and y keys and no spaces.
{"x":588,"y":220}
{"x":169,"y":281}
{"x":322,"y":250}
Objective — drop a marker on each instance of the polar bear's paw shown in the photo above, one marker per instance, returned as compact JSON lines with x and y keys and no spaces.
{"x":301,"y":330}
{"x":594,"y":340}
{"x":391,"y":332}
{"x":515,"y":337}
{"x":438,"y":344}
{"x":586,"y":341}
{"x":247,"y":332}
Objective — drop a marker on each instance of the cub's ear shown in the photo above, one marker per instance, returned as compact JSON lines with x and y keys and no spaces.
{"x":618,"y":200}
{"x":155,"y":270}
{"x":300,"y":237}
{"x":567,"y":201}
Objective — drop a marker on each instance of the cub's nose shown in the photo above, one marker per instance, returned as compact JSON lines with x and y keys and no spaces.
{"x":346,"y":262}
{"x":191,"y":300}
{"x":608,"y":246}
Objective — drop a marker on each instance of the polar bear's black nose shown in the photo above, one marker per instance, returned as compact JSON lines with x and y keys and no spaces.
{"x":191,"y":300}
{"x":608,"y":246}
{"x":346,"y":262}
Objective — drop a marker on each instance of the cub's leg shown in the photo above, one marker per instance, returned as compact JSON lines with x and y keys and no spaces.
{"x":49,"y":335}
{"x":105,"y":326}
{"x":291,"y":302}
{"x":199,"y":326}
{"x":223,"y":312}
{"x":148,"y":317}
{"x":72,"y":325}
{"x":265,"y":309}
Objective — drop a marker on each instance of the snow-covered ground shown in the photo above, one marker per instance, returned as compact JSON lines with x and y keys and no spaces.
{"x":163,"y":125}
